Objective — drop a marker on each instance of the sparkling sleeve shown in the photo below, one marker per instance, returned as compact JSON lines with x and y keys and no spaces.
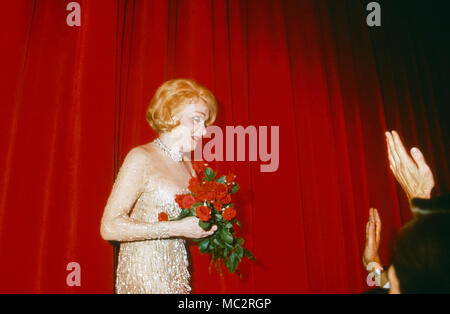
{"x":116,"y":224}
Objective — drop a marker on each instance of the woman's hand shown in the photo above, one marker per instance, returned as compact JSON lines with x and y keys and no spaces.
{"x":371,"y":256}
{"x":414,"y":175}
{"x":188,"y":227}
{"x":373,"y":230}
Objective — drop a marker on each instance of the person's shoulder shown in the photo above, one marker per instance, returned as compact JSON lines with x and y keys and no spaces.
{"x":136,"y":155}
{"x":142,"y":153}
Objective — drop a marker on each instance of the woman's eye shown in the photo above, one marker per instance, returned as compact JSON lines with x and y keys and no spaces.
{"x":196,"y":119}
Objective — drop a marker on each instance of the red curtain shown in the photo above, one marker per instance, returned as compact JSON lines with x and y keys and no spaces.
{"x":73,"y":101}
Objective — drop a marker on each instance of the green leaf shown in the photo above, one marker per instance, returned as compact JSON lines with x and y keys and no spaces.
{"x":234,"y":189}
{"x":218,"y":217}
{"x":228,"y":245}
{"x":203,"y":245}
{"x":209,"y":174}
{"x":228,"y":264}
{"x":228,"y":225}
{"x":184,"y":213}
{"x":218,"y":243}
{"x":221,"y":179}
{"x":249,"y":255}
{"x":204,"y":224}
{"x":239,"y":251}
{"x":240,"y":241}
{"x":226,"y":235}
{"x":232,"y":263}
{"x":237,"y":223}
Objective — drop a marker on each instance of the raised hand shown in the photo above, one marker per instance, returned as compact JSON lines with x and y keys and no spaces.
{"x":413,"y":174}
{"x":371,"y":256}
{"x":373,"y":230}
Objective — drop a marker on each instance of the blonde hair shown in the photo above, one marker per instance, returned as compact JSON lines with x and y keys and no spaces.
{"x":171,"y":97}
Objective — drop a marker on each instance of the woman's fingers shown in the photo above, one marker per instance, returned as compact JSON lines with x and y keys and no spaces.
{"x":211,"y":231}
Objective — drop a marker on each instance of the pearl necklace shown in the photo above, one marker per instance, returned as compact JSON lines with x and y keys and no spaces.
{"x":176,"y":156}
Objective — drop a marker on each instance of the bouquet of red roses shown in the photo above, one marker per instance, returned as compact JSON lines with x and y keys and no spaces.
{"x":210,"y":200}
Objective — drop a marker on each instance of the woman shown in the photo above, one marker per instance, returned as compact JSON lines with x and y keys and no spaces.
{"x":152,"y":256}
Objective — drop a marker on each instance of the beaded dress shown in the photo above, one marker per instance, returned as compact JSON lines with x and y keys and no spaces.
{"x":159,"y":264}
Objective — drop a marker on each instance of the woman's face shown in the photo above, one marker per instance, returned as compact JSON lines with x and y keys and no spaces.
{"x":192,"y":125}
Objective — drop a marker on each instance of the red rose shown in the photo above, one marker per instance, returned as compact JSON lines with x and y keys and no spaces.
{"x":218,"y":205}
{"x":203,"y":213}
{"x":221,"y":191}
{"x":194,"y":185}
{"x":162,"y":216}
{"x":204,"y":191}
{"x":209,"y":186}
{"x":198,"y":166}
{"x":179,"y":199}
{"x":188,"y":201}
{"x":194,"y":181}
{"x":229,"y":213}
{"x":210,"y":196}
{"x":201,"y":196}
{"x":230,"y":177}
{"x":226,"y":199}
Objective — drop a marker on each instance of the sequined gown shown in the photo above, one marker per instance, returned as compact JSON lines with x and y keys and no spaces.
{"x":158,"y":265}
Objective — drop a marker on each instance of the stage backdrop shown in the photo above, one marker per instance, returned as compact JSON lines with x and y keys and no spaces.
{"x":73,"y":100}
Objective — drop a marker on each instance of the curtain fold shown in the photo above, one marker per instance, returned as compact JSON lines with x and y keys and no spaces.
{"x":73,"y":101}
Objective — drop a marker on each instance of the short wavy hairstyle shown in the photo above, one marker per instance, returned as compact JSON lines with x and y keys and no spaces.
{"x":171,"y":97}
